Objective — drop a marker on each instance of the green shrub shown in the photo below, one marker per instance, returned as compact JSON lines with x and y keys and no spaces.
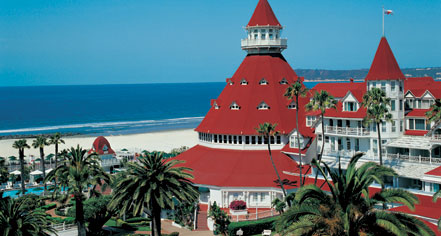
{"x":69,"y":220}
{"x":137,"y":219}
{"x":49,"y":206}
{"x":60,"y":211}
{"x":252,"y":227}
{"x":171,"y":234}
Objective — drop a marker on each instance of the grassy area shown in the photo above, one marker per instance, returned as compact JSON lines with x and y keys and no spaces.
{"x":113,"y":223}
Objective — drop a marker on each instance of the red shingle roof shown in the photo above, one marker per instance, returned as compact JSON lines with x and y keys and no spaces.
{"x":237,"y":168}
{"x":419,"y":85}
{"x":417,"y":113}
{"x":384,"y":66}
{"x":436,"y":171}
{"x":263,"y":15}
{"x":244,"y":121}
{"x":99,"y":144}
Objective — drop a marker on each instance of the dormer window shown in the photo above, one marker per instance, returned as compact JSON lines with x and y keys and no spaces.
{"x":310,"y":120}
{"x":350,"y":106}
{"x":234,"y":106}
{"x":263,"y":106}
{"x":216,"y":106}
{"x":283,"y":81}
{"x":243,"y":82}
{"x":105,"y":148}
{"x":292,"y":105}
{"x":263,"y":81}
{"x":230,"y":81}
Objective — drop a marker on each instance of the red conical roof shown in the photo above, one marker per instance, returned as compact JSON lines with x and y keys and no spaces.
{"x":101,"y":146}
{"x":384,"y":65}
{"x":263,"y":15}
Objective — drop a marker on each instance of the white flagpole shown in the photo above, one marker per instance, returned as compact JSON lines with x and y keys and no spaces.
{"x":382,"y":13}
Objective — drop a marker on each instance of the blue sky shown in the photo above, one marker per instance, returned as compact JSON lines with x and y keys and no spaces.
{"x":57,"y":42}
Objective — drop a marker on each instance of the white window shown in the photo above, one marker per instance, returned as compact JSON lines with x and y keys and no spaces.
{"x":392,"y":105}
{"x":310,"y":120}
{"x":263,"y":106}
{"x":394,"y":128}
{"x":262,"y":197}
{"x":294,"y":143}
{"x":333,"y":143}
{"x":383,"y":126}
{"x":263,"y":81}
{"x":426,"y":104}
{"x":401,"y":126}
{"x":243,"y":82}
{"x":392,"y":86}
{"x":375,"y":146}
{"x":383,"y":86}
{"x":350,"y":106}
{"x":292,"y":105}
{"x":283,"y":81}
{"x":401,"y":105}
{"x":234,"y":106}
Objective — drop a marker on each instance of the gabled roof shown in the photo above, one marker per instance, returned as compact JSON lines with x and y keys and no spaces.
{"x":418,"y":86}
{"x":384,"y":66}
{"x":263,"y":15}
{"x":244,"y":121}
{"x":237,"y":168}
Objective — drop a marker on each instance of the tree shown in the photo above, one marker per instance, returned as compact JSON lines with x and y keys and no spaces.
{"x":96,"y":212}
{"x":56,"y":140}
{"x":377,"y":111}
{"x":79,"y":171}
{"x":268,"y":131}
{"x":321,"y":101}
{"x":220,"y":218}
{"x":4,"y":173}
{"x":153,"y":184}
{"x":434,"y":114}
{"x":40,"y":142}
{"x":279,"y":205}
{"x":293,"y":92}
{"x":349,"y":209}
{"x":21,"y":145}
{"x":17,"y":219}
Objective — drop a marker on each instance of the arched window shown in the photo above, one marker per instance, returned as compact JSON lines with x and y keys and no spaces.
{"x":292,"y":105}
{"x":263,"y":106}
{"x":263,"y":81}
{"x":243,"y":82}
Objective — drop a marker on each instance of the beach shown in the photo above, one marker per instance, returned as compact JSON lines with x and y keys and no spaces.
{"x":151,"y":141}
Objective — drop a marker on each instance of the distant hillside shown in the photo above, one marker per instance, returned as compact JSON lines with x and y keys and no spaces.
{"x":314,"y":75}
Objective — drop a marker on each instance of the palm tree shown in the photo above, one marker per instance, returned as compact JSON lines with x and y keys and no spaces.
{"x":21,"y":145}
{"x":79,"y":171}
{"x":153,"y":184}
{"x":268,"y":131}
{"x":295,"y":91}
{"x":321,"y":101}
{"x":39,"y":143}
{"x":56,"y":139}
{"x":377,"y":111}
{"x":17,"y":219}
{"x":434,"y":114}
{"x":349,"y":209}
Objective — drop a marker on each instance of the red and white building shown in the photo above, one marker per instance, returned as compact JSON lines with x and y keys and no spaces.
{"x":101,"y":146}
{"x":231,"y":161}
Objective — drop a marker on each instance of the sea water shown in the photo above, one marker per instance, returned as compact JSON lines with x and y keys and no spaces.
{"x":105,"y":109}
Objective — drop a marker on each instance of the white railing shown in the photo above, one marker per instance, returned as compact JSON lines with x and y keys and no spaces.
{"x":253,"y":215}
{"x":109,"y":162}
{"x":249,"y":43}
{"x":415,"y":159}
{"x":346,"y":131}
{"x":63,"y":226}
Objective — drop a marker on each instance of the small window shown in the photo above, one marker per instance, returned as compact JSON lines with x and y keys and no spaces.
{"x":383,"y":126}
{"x":216,"y":106}
{"x":270,"y":30}
{"x":394,"y":128}
{"x":401,"y":126}
{"x":292,"y":105}
{"x":350,"y":106}
{"x":234,"y":106}
{"x":310,"y":120}
{"x":263,"y":106}
{"x":392,"y":86}
{"x":263,"y":81}
{"x":283,"y":81}
{"x":230,"y":82}
{"x":271,"y":36}
{"x":243,"y":82}
{"x":383,"y":86}
{"x":279,"y":139}
{"x":256,"y":36}
{"x":392,"y":105}
{"x":262,"y":36}
{"x":401,"y":105}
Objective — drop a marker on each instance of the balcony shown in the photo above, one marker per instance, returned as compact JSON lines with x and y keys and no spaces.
{"x":436,"y":138}
{"x":346,"y":131}
{"x":414,"y":159}
{"x":257,"y":43}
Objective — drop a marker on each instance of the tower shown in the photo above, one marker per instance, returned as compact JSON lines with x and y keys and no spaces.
{"x":263,"y":31}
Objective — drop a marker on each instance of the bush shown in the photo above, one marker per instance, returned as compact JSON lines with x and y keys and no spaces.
{"x":252,"y":227}
{"x":48,"y":206}
{"x":60,"y":211}
{"x":136,"y":219}
{"x":69,"y":220}
{"x":238,"y":205}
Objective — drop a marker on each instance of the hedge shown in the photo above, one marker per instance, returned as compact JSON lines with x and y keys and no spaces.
{"x":137,"y":219}
{"x":171,"y":234}
{"x":49,"y":206}
{"x":59,"y":220}
{"x":252,"y":227}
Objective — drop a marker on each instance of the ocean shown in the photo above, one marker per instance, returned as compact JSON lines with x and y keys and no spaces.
{"x":105,"y":109}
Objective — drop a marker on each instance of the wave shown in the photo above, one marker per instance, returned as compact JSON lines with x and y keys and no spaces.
{"x":95,"y":126}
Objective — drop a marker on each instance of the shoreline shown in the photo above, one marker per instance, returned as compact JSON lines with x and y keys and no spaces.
{"x":161,"y":140}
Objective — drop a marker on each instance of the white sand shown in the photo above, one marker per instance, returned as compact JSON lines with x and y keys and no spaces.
{"x":158,"y":141}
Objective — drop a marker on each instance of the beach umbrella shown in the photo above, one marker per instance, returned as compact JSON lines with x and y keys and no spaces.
{"x":36,"y":172}
{"x":16,"y":172}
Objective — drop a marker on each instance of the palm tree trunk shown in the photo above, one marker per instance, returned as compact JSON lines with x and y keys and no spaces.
{"x":323,"y":146}
{"x":156,"y":219}
{"x":79,"y":214}
{"x":298,"y":140}
{"x":379,"y":144}
{"x":275,"y":169}
{"x":21,"y":156}
{"x":43,"y":168}
{"x":56,"y":163}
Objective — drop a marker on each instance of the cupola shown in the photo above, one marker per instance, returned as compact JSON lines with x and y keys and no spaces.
{"x":264,"y":31}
